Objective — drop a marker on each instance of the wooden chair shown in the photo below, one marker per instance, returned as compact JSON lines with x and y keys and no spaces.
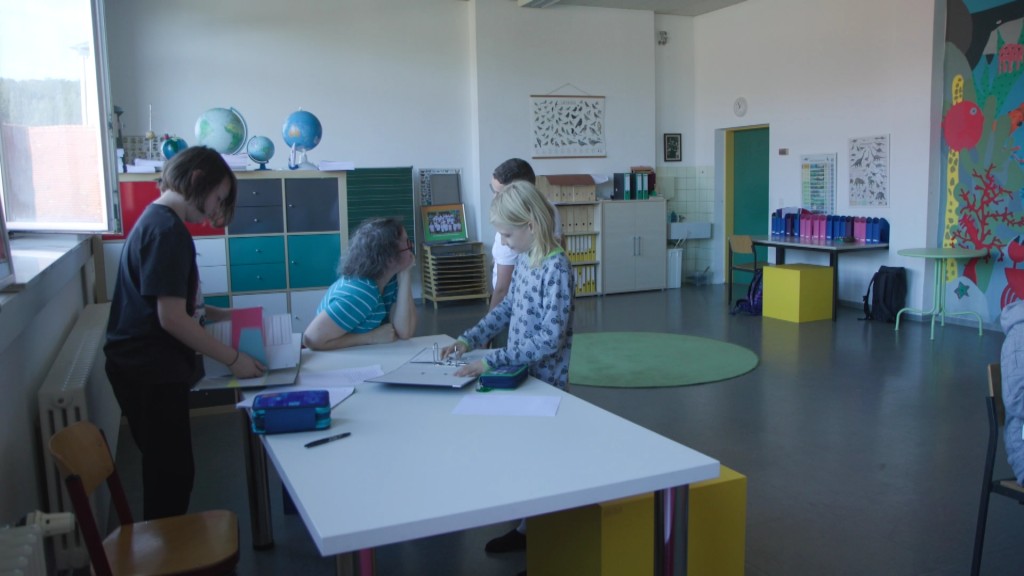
{"x":204,"y":543}
{"x":743,"y":245}
{"x":1003,"y":486}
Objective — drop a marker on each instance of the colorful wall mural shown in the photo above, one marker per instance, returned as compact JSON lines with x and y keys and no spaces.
{"x":983,"y":148}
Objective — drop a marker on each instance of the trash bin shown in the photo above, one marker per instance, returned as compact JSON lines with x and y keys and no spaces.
{"x":675,"y":267}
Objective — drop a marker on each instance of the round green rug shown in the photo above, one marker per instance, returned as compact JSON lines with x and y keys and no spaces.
{"x":654,"y":360}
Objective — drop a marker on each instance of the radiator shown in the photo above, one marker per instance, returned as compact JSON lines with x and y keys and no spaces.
{"x":75,"y":389}
{"x":22,"y":552}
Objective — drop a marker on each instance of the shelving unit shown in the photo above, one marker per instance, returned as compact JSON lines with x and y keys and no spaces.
{"x":580,"y":237}
{"x":280,"y":251}
{"x":454,"y":272}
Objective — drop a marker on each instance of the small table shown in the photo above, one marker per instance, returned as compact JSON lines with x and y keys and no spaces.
{"x":939,"y":296}
{"x":832,"y":247}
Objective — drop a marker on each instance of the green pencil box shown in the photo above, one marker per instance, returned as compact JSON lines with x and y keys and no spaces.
{"x":507,"y":377}
{"x":276,"y":412}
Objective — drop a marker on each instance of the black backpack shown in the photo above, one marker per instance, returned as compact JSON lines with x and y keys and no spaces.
{"x":886,"y":295}
{"x":751,"y":305}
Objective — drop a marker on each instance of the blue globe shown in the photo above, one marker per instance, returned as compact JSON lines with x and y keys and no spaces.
{"x":260,"y":150}
{"x":302,"y":130}
{"x":172,"y":146}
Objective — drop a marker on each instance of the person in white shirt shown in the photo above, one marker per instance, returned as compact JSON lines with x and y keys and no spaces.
{"x":504,"y":257}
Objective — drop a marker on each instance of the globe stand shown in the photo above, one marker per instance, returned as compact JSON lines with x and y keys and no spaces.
{"x":303,"y":163}
{"x":263,"y":166}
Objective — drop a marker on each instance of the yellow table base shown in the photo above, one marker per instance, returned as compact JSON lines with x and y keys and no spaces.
{"x":617,"y":538}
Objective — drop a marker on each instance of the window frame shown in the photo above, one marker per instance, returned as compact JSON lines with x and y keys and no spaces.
{"x":108,"y":179}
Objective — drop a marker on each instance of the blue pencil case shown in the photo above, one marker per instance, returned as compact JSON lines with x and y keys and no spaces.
{"x":504,"y":377}
{"x":296,"y":411}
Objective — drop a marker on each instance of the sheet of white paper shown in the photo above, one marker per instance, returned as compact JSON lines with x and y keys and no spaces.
{"x":337,"y":395}
{"x":338,"y":378}
{"x":498,"y":404}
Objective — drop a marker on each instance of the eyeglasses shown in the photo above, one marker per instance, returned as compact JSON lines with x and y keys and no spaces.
{"x":408,"y":246}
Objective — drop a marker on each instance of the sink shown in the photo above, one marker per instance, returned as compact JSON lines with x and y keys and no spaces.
{"x":689,"y":230}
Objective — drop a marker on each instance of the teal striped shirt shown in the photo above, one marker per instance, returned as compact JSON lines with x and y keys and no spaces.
{"x":356,"y":305}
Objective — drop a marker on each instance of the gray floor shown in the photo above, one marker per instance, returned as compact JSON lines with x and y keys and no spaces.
{"x":863,"y":447}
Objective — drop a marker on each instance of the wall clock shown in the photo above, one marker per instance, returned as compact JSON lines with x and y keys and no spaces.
{"x":739,"y":107}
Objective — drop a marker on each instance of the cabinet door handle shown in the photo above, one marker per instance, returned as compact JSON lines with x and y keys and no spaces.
{"x":259,"y":250}
{"x":259,"y":277}
{"x":256,"y":220}
{"x":291,"y":205}
{"x":254,"y":192}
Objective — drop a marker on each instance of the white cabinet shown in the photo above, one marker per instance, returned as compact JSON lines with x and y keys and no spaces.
{"x":304,"y":305}
{"x":633,"y":245}
{"x":211,"y":259}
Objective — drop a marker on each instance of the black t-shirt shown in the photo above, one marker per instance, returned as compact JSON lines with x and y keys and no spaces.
{"x":158,"y":259}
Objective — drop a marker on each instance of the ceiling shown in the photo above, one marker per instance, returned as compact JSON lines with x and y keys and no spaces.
{"x":676,"y":7}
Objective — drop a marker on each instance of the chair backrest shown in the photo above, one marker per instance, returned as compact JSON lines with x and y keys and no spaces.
{"x":81,"y":450}
{"x":995,"y":390}
{"x":741,"y":244}
{"x":84,"y":460}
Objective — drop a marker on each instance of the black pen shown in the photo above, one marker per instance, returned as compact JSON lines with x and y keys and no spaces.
{"x":328,"y":439}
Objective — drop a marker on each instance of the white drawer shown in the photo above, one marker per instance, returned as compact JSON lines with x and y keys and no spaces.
{"x":214,"y":279}
{"x":211,"y":252}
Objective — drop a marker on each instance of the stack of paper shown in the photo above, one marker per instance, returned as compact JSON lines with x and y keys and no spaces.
{"x":335,"y":165}
{"x":268,"y":339}
{"x":143,"y":165}
{"x":237,"y":161}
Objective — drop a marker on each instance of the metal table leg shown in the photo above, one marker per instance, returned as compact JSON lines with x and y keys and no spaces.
{"x":671,"y":519}
{"x":259,"y":494}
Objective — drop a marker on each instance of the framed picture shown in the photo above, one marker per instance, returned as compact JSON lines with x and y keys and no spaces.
{"x":444,"y":223}
{"x":673,"y":147}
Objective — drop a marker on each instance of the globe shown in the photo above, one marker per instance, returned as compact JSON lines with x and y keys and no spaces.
{"x":301,"y":132}
{"x":172,"y":146}
{"x":222,"y":129}
{"x":260,"y":150}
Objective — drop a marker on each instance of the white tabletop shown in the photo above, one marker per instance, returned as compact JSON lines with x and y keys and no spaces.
{"x":412,"y":469}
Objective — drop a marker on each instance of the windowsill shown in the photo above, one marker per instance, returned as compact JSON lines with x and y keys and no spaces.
{"x":43,"y":265}
{"x":34,"y":253}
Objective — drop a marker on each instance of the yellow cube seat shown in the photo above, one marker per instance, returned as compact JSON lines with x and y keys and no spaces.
{"x":797,"y":292}
{"x":717,"y":536}
{"x":617,"y":538}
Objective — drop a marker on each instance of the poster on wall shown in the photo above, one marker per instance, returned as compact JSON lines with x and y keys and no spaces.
{"x":869,"y":171}
{"x":818,"y":182}
{"x":568,"y":126}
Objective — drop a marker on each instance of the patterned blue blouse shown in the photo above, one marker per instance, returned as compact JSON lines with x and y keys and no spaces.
{"x":538,"y":312}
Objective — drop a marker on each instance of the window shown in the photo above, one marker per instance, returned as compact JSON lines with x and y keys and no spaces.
{"x":56,"y":153}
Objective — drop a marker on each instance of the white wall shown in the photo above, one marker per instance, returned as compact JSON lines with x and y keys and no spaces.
{"x":819,"y":73}
{"x":388,"y":79}
{"x":569,"y":51}
{"x":33,"y":326}
{"x":422,"y":83}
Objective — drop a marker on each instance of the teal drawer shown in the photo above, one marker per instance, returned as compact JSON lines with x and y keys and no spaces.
{"x":313,"y":260}
{"x":219,"y":301}
{"x":262,"y":250}
{"x":257,"y":277}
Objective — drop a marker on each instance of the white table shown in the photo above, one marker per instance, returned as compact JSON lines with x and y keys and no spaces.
{"x":412,"y":469}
